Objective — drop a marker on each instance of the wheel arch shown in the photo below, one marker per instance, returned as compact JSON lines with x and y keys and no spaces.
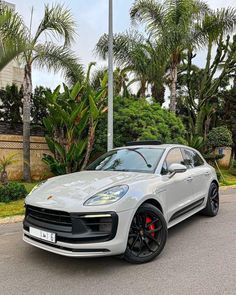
{"x":153,"y":202}
{"x":215,"y":182}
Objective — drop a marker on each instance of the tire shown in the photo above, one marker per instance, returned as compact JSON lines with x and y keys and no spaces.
{"x":147,"y":235}
{"x":213,"y":204}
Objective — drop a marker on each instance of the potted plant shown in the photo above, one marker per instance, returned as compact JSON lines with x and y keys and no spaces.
{"x":6,"y":161}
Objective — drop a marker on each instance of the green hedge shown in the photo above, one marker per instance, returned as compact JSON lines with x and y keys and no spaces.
{"x":12,"y":192}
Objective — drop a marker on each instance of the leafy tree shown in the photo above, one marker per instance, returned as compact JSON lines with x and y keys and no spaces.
{"x":172,"y":23}
{"x":71,"y":125}
{"x":219,"y":137}
{"x":39,"y":105}
{"x":139,"y":120}
{"x":226,"y":111}
{"x":11,"y":104}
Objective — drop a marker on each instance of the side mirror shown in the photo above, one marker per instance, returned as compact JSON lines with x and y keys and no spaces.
{"x":176,"y":168}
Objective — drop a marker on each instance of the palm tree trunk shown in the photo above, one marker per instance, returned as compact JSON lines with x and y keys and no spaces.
{"x":173,"y":88}
{"x":142,"y":90}
{"x":27,"y":91}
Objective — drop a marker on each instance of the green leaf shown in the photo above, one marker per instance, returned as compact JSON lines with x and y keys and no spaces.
{"x":76,"y":90}
{"x":93,"y":108}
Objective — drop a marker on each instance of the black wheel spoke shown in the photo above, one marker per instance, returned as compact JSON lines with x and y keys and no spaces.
{"x":150,"y":237}
{"x":134,"y":242}
{"x":140,"y":246}
{"x":149,"y":248}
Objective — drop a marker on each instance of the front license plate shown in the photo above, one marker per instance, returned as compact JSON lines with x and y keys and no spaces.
{"x":43,"y":235}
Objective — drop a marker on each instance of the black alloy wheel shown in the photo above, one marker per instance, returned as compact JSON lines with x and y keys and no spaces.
{"x":147,"y":236}
{"x":213,"y":202}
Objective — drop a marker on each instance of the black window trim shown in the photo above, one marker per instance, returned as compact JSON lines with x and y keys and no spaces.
{"x":175,"y":147}
{"x":186,"y":148}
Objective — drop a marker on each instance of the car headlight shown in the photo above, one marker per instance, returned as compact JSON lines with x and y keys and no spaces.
{"x":36,"y":187}
{"x":108,"y":196}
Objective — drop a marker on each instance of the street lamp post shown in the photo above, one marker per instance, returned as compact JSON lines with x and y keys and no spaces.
{"x":110,"y":80}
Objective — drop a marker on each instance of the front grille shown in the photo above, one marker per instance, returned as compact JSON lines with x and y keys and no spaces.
{"x":49,"y":216}
{"x":73,"y":227}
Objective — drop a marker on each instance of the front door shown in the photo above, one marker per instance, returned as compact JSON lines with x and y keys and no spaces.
{"x":179,"y":189}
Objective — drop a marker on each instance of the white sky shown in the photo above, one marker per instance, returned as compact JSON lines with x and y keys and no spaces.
{"x":91,"y":17}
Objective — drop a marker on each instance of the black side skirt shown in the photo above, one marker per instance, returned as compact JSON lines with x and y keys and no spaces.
{"x":187,"y":209}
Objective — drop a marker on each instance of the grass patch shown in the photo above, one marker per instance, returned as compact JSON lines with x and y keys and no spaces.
{"x":16,"y":207}
{"x":229,"y":179}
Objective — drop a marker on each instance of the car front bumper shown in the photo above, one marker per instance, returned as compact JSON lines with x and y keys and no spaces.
{"x":114,"y":246}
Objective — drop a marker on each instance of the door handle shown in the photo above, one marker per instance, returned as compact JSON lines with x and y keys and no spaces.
{"x":189,"y":179}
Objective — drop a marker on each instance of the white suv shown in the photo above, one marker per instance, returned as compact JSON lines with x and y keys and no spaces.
{"x":123,"y":204}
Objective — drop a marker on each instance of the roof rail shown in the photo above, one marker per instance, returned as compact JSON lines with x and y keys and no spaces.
{"x":144,"y":142}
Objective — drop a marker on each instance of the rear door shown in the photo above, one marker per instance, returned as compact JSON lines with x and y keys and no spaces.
{"x":179,"y":189}
{"x":200,"y":172}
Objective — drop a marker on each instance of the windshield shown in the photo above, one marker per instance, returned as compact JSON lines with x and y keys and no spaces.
{"x":129,"y":159}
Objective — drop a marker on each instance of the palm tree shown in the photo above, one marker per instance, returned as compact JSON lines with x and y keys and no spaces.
{"x":132,"y":52}
{"x":171,"y":23}
{"x":12,"y":36}
{"x":56,"y":24}
{"x":214,"y":29}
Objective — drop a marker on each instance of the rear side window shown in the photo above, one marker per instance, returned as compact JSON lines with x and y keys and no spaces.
{"x":192,"y":159}
{"x":174,"y":157}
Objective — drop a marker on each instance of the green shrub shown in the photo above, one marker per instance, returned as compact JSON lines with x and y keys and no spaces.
{"x":137,"y":119}
{"x":12,"y":191}
{"x":220,"y":137}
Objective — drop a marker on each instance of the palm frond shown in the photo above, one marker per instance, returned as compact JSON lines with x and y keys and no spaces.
{"x":57,"y":58}
{"x":148,"y":12}
{"x":12,"y":36}
{"x":59,"y":22}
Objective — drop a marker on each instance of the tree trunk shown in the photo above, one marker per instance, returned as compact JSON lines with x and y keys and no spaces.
{"x":173,"y":88}
{"x":27,"y":91}
{"x":142,"y":91}
{"x":158,"y":93}
{"x":91,"y":138}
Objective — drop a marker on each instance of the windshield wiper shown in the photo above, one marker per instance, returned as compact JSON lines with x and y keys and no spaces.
{"x":142,"y":156}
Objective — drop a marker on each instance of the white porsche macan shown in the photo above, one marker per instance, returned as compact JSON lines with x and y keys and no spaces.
{"x":122,"y":204}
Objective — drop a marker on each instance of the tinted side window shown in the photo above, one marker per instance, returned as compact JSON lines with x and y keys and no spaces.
{"x":192,"y":159}
{"x":174,"y":157}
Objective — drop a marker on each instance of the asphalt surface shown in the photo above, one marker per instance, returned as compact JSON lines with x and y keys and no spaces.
{"x":199,"y":258}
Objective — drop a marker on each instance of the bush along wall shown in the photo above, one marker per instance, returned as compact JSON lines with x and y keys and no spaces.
{"x":12,"y":192}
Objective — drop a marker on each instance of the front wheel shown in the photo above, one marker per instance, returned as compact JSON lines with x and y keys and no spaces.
{"x":213,"y":201}
{"x":147,"y":235}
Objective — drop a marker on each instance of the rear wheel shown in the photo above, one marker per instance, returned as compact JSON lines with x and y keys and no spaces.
{"x":147,"y":235}
{"x":213,"y":204}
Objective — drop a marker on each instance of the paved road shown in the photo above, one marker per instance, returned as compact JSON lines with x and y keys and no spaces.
{"x":200,"y":258}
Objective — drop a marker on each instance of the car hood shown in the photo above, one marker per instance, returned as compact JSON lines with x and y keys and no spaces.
{"x":72,"y":189}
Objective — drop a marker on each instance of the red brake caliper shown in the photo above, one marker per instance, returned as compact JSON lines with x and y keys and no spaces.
{"x":150,"y":227}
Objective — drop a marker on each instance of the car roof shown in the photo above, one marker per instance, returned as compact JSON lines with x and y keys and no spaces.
{"x":159,"y":146}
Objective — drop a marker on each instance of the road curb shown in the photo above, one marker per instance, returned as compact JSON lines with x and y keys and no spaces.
{"x":224,"y":188}
{"x":11,"y":219}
